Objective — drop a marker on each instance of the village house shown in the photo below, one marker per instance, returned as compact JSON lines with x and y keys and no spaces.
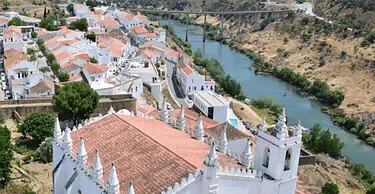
{"x":81,"y":11}
{"x":211,"y":104}
{"x":109,"y":24}
{"x":13,"y":38}
{"x":3,"y":23}
{"x":190,"y":80}
{"x":94,"y":72}
{"x":172,"y":55}
{"x":137,"y":34}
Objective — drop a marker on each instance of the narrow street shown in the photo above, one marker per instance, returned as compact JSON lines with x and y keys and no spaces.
{"x":173,"y":86}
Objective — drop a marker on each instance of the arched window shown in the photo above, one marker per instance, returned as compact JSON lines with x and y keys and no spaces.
{"x":266,"y":157}
{"x":288,"y":157}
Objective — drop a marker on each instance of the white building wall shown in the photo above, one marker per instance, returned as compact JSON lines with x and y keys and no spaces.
{"x":220,"y":113}
{"x":17,"y":45}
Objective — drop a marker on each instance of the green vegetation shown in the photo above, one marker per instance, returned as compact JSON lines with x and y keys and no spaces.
{"x":44,"y":69}
{"x":48,"y":23}
{"x":44,"y":152}
{"x":270,"y":117}
{"x":63,"y":77}
{"x":184,"y":45}
{"x":363,"y":174}
{"x":30,"y":51}
{"x":75,"y":101}
{"x":33,"y":34}
{"x":16,"y":21}
{"x":371,"y":189}
{"x":80,"y":24}
{"x":322,"y":141}
{"x":6,"y":157}
{"x":330,"y":188}
{"x":267,"y":103}
{"x":51,"y":58}
{"x":91,"y":37}
{"x":226,"y":82}
{"x":318,"y":88}
{"x":93,"y":60}
{"x":5,"y":5}
{"x":38,"y":125}
{"x":70,"y":9}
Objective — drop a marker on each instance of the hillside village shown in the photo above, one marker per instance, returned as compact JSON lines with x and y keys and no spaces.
{"x":158,"y":125}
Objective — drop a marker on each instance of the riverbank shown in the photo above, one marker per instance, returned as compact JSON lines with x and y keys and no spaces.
{"x":269,"y":54}
{"x":320,"y":173}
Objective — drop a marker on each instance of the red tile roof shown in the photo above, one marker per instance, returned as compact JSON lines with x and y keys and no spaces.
{"x":149,"y":152}
{"x":63,"y":56}
{"x":139,"y":30}
{"x":187,"y":69}
{"x":150,"y":35}
{"x":108,"y":22}
{"x":172,"y":53}
{"x":93,"y":68}
{"x":12,"y":57}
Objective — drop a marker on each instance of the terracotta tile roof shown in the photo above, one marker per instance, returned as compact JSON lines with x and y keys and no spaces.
{"x":150,"y":35}
{"x":70,"y":66}
{"x":41,"y":31}
{"x":83,"y":56}
{"x":8,"y":32}
{"x":53,"y":41}
{"x":72,"y":19}
{"x":63,"y":56}
{"x":93,"y":68}
{"x":13,"y":57}
{"x":43,"y":86}
{"x":142,"y":18}
{"x":232,"y":132}
{"x":153,"y":44}
{"x":65,"y":30}
{"x":126,"y":16}
{"x":145,"y":108}
{"x":57,"y":47}
{"x":139,"y":30}
{"x":149,"y":152}
{"x":187,"y":69}
{"x":172,"y":53}
{"x":115,"y":49}
{"x":149,"y":53}
{"x":75,"y":77}
{"x":80,"y":6}
{"x":108,"y":22}
{"x":4,"y":20}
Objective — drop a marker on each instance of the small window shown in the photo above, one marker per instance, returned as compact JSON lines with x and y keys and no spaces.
{"x":287,"y":162}
{"x":266,"y":157}
{"x":202,"y":88}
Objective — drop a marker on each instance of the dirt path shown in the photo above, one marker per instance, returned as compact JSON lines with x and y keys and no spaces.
{"x":244,"y":111}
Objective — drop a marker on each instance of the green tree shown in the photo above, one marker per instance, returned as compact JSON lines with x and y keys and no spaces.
{"x":45,"y":12}
{"x":91,"y":37}
{"x":39,"y":42}
{"x":80,"y":24}
{"x":70,"y":9}
{"x":16,"y":21}
{"x":39,"y":125}
{"x":5,"y":5}
{"x":93,"y":60}
{"x":34,"y":34}
{"x":55,"y":67}
{"x":330,"y":188}
{"x":49,"y":23}
{"x":30,"y":51}
{"x":305,"y":21}
{"x":63,"y":77}
{"x":51,"y":58}
{"x":44,"y":152}
{"x":33,"y":57}
{"x":75,"y":101}
{"x":371,"y":189}
{"x":6,"y":157}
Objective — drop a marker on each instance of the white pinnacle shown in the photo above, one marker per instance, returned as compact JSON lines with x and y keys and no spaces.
{"x":57,"y":130}
{"x":97,"y":167}
{"x":181,"y":119}
{"x":82,"y":154}
{"x":198,"y":131}
{"x":164,"y":111}
{"x":131,"y":188}
{"x":246,"y":154}
{"x":111,"y":110}
{"x":212,"y":159}
{"x":223,"y":141}
{"x":263,"y":125}
{"x":113,"y":183}
{"x":68,"y":142}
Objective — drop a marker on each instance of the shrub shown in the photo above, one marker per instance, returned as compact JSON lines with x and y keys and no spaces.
{"x":34,"y":34}
{"x":80,"y":24}
{"x":321,"y":141}
{"x":269,"y":103}
{"x":44,"y":69}
{"x":371,"y":189}
{"x":44,"y":152}
{"x":39,"y":125}
{"x":286,"y":40}
{"x":305,"y":21}
{"x":330,"y":188}
{"x":6,"y":157}
{"x":63,"y":77}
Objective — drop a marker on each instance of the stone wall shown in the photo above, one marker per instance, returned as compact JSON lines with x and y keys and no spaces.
{"x":306,"y":158}
{"x":19,"y":109}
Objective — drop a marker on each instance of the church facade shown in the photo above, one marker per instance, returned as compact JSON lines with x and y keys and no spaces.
{"x":122,"y":153}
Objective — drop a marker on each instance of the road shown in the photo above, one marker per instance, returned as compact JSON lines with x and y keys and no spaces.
{"x":173,"y":87}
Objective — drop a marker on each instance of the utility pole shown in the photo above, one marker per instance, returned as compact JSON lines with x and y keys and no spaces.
{"x":187,"y":27}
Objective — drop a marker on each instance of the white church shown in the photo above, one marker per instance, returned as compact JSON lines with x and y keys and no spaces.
{"x":121,"y":153}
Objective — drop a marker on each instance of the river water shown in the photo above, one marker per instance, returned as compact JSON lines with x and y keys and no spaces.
{"x":297,"y":107}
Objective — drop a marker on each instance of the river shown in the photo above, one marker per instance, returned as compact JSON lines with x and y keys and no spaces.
{"x":297,"y":107}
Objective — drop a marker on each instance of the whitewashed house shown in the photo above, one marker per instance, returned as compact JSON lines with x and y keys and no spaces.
{"x":174,"y":159}
{"x":81,"y":11}
{"x":191,"y":81}
{"x":211,"y":104}
{"x":13,"y":38}
{"x":109,"y":24}
{"x":94,"y":72}
{"x":137,"y":34}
